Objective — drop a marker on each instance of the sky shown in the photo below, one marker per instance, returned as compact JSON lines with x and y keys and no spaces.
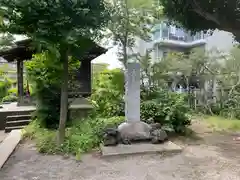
{"x":110,"y":57}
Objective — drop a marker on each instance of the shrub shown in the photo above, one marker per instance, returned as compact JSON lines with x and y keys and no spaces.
{"x":108,"y":90}
{"x":4,"y":85}
{"x":150,"y":112}
{"x":168,"y":108}
{"x":44,"y":73}
{"x":10,"y":98}
{"x":12,"y":91}
{"x":81,"y":136}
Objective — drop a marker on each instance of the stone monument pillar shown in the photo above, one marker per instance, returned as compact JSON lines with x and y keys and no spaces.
{"x":132,"y":94}
{"x":133,"y":128}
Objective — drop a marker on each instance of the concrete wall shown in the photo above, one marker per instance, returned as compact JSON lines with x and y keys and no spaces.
{"x":221,"y":40}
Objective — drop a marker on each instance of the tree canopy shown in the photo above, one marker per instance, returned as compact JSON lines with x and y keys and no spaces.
{"x":61,"y":25}
{"x":53,"y":21}
{"x":205,"y":14}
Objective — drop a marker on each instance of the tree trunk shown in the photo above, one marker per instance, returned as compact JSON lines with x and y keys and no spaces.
{"x":64,"y":97}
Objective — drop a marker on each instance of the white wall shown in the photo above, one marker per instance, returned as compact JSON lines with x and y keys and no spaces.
{"x":221,"y":40}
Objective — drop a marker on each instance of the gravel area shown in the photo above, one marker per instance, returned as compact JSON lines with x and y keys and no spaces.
{"x":210,"y":156}
{"x":196,"y":162}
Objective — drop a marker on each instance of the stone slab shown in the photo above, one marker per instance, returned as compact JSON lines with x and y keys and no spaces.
{"x":8,"y":145}
{"x":140,"y":148}
{"x":80,"y":103}
{"x":13,"y":107}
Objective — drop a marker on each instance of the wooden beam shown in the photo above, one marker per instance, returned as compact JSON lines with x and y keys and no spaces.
{"x":20,"y":81}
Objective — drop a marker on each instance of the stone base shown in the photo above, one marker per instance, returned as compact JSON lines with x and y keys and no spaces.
{"x":134,"y":130}
{"x":141,"y":148}
{"x":25,"y":101}
{"x":79,"y":108}
{"x":141,"y":131}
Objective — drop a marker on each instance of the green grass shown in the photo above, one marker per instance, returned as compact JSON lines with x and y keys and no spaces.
{"x":222,"y":124}
{"x":81,"y":136}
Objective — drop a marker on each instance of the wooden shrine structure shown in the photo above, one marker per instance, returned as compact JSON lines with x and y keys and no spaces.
{"x":24,"y":49}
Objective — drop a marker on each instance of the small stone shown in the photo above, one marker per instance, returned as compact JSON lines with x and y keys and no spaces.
{"x":158,"y":136}
{"x":155,"y":126}
{"x":66,"y":156}
{"x":111,"y":137}
{"x":237,"y":139}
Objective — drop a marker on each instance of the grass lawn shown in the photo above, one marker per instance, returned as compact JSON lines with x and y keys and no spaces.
{"x":222,"y":124}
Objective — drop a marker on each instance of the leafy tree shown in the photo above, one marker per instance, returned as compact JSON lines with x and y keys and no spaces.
{"x":98,"y":67}
{"x":61,"y":24}
{"x":43,"y":74}
{"x":108,"y":90}
{"x":204,"y":15}
{"x":229,"y":84}
{"x":129,"y":22}
{"x":146,"y":68}
{"x":6,"y":40}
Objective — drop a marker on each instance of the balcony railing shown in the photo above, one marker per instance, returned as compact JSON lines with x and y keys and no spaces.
{"x":165,"y":32}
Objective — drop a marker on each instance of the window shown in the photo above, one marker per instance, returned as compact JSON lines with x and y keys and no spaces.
{"x":172,"y":30}
{"x":157,"y":54}
{"x":156,"y":35}
{"x":165,"y":31}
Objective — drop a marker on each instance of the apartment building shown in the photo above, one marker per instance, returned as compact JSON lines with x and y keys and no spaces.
{"x":167,"y":38}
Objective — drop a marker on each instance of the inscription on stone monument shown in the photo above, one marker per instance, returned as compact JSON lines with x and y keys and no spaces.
{"x":132,"y":98}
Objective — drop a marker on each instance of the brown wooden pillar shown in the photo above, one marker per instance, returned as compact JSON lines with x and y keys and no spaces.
{"x":20,"y":82}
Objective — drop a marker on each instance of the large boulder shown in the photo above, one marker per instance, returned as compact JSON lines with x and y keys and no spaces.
{"x":134,"y":131}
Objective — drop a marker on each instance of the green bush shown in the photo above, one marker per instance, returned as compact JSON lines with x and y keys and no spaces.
{"x":81,"y":136}
{"x":168,"y":108}
{"x":44,"y":72}
{"x":108,"y":91}
{"x":10,"y":98}
{"x":4,"y":85}
{"x":12,"y":91}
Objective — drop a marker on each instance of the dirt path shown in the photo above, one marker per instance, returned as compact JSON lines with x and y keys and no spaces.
{"x":222,"y":141}
{"x":211,"y":156}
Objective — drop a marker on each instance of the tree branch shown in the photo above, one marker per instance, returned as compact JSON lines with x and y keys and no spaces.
{"x":206,"y":15}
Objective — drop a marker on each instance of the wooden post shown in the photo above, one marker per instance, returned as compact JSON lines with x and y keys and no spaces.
{"x":20,"y":81}
{"x":84,"y":78}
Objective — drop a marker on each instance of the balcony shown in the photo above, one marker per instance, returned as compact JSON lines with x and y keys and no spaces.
{"x":171,"y":36}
